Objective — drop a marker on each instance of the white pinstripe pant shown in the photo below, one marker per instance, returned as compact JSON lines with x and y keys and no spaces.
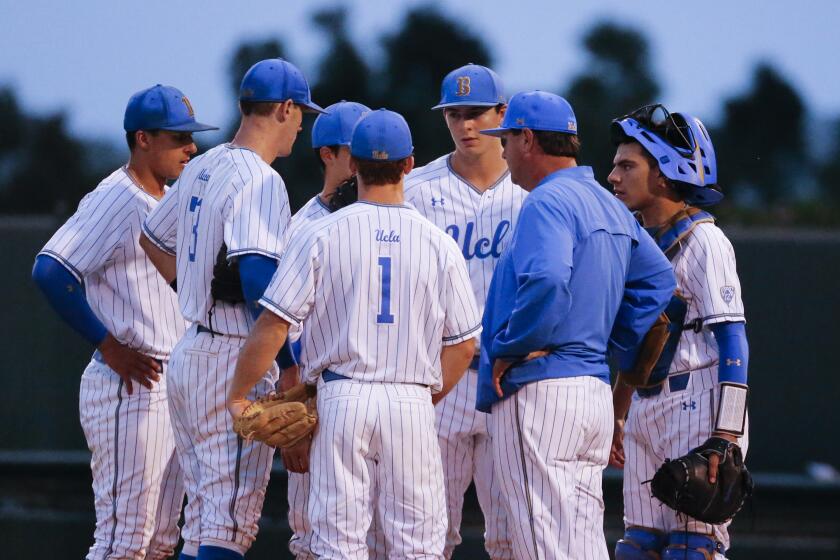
{"x":668,"y":425}
{"x":467,"y":455}
{"x":224,"y":476}
{"x":376,"y":443}
{"x":551,"y":443}
{"x":137,"y":484}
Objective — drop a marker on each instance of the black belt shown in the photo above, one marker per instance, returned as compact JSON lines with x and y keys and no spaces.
{"x":211,"y":332}
{"x":475,"y":362}
{"x":676,"y":383}
{"x":328,"y":376}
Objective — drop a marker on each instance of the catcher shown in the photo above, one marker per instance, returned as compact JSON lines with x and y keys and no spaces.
{"x":686,"y":430}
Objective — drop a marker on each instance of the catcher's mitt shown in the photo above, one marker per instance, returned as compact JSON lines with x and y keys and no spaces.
{"x":683,"y":484}
{"x":280,"y":419}
{"x":346,"y":194}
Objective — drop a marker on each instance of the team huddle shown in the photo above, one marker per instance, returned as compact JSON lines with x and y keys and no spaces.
{"x":409,"y":331}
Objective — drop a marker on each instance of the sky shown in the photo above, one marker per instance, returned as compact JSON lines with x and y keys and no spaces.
{"x":87,"y":57}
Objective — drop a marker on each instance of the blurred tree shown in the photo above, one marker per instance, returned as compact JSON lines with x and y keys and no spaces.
{"x":342,"y":73}
{"x":617,"y":79}
{"x":12,"y":122}
{"x":760,"y":145}
{"x":829,"y":171}
{"x":418,"y":55}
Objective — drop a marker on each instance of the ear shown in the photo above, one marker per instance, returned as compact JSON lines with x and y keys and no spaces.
{"x":353,"y":167}
{"x":502,"y":111}
{"x":142,"y":139}
{"x":529,"y":141}
{"x":284,"y":110}
{"x":408,"y":165}
{"x":325,"y":154}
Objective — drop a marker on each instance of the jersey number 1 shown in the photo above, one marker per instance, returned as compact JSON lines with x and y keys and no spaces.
{"x":384,"y":316}
{"x":195,"y":208}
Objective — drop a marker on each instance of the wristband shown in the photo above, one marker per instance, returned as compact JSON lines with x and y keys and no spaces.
{"x":732,"y":408}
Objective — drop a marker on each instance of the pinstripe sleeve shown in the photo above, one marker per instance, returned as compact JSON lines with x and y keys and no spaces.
{"x":291,"y":292}
{"x":259,"y":216}
{"x":712,"y":276}
{"x":161,"y":225}
{"x":462,"y":320}
{"x":92,"y":235}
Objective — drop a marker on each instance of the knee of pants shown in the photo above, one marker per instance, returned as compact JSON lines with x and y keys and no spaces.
{"x":640,"y":543}
{"x":691,"y":546}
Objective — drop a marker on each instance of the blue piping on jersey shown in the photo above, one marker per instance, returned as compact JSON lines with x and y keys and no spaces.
{"x":384,"y":205}
{"x":478,"y":191}
{"x":733,"y":351}
{"x":66,"y":296}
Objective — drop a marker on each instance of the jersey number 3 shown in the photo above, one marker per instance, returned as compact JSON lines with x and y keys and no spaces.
{"x":384,"y":316}
{"x":195,"y":208}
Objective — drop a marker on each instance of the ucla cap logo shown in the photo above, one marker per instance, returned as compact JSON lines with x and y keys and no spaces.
{"x":379,"y":154}
{"x":520,"y":122}
{"x":572,"y":125}
{"x":463,"y":83}
{"x":189,"y":106}
{"x":248,"y":92}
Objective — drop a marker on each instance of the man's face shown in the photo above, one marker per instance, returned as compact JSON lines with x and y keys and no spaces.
{"x":512,"y":152}
{"x":291,"y":127}
{"x":170,"y":151}
{"x":464,"y":124}
{"x":633,"y":180}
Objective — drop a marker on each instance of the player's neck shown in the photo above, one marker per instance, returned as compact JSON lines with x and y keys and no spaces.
{"x":481,"y":170}
{"x":660,"y":212}
{"x":145,"y":178}
{"x":253,"y":135}
{"x":543,"y":166}
{"x":331,"y":182}
{"x":382,"y":194}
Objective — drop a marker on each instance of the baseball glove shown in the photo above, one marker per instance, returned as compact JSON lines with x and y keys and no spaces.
{"x":346,"y":194}
{"x":280,"y":419}
{"x":683,"y":484}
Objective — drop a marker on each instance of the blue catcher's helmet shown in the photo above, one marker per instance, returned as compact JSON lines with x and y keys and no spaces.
{"x":681,"y":146}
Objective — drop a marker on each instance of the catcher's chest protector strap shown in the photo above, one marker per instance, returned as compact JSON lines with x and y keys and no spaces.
{"x":678,"y":227}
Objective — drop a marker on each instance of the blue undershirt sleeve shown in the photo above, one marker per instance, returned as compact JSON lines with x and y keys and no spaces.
{"x":66,"y":296}
{"x":255,"y":272}
{"x":734,"y":351}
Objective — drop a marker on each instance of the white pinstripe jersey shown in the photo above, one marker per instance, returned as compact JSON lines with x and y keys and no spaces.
{"x":312,"y":210}
{"x":99,"y":245}
{"x":706,"y":276}
{"x":481,"y":223}
{"x":229,"y":194}
{"x":380,"y":289}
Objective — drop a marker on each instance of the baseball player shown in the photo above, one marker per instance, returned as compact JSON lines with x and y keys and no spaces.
{"x":469,"y":195}
{"x":97,"y":279}
{"x":664,"y":168}
{"x":229,"y":207}
{"x":579,"y":276}
{"x":331,"y":142}
{"x":387,"y":300}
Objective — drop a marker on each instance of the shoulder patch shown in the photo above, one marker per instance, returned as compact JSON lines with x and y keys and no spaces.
{"x":727,"y":293}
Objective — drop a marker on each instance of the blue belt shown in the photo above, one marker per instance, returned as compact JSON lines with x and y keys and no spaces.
{"x":676,"y":383}
{"x":328,"y":376}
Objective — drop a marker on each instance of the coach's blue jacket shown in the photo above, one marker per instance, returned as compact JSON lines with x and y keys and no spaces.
{"x":579,"y":277}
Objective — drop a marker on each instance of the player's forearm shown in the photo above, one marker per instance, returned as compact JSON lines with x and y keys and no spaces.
{"x":454,"y":361}
{"x":164,"y":262}
{"x":622,"y":396}
{"x":256,"y":357}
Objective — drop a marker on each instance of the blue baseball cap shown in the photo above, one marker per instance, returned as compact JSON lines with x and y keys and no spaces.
{"x":161,"y":108}
{"x":537,"y":110}
{"x":335,"y":127}
{"x":381,"y":135}
{"x":473,"y":86}
{"x":276,"y":80}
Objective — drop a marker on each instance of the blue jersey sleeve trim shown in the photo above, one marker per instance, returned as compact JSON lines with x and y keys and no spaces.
{"x":281,"y":312}
{"x":157,"y":242}
{"x":240,"y":252}
{"x":458,"y":338}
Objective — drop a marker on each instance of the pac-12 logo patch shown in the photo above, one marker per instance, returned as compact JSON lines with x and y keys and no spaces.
{"x":463,"y":83}
{"x":727,"y":293}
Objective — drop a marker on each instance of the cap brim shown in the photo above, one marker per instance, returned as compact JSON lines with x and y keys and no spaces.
{"x":494,"y":131}
{"x":191,"y":127}
{"x":312,"y":107}
{"x":467,"y":104}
